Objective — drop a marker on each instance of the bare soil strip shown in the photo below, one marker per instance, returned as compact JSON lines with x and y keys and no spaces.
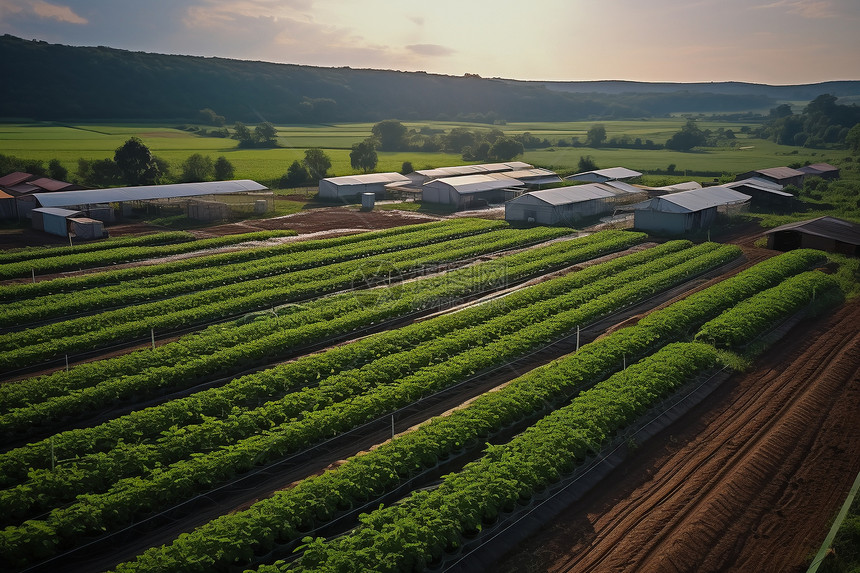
{"x":747,"y":481}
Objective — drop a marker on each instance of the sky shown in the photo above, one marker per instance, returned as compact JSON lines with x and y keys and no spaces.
{"x":761,"y":41}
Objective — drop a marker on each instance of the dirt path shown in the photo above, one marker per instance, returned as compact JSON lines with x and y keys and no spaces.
{"x":747,"y":481}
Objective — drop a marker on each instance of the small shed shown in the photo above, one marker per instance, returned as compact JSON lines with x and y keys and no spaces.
{"x":782,"y":175}
{"x":764,"y":193}
{"x":352,"y":186}
{"x":687,"y":211}
{"x":86,"y":228}
{"x":824,"y":233}
{"x":823,"y":170}
{"x":469,"y":191}
{"x":53,"y":220}
{"x":604,"y":175}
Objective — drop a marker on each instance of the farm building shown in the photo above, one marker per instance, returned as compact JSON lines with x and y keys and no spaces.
{"x":687,"y":211}
{"x":567,"y":204}
{"x":823,"y":170}
{"x":420,"y":177}
{"x":53,"y":220}
{"x":209,"y":200}
{"x":824,"y":233}
{"x":533,"y":178}
{"x":23,"y":188}
{"x":764,"y":193}
{"x":782,"y":175}
{"x":604,"y":175}
{"x":469,"y":191}
{"x":352,"y":186}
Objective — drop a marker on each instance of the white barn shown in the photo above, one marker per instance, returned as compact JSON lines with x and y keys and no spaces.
{"x":352,"y":186}
{"x":687,"y":211}
{"x":565,"y":205}
{"x":469,"y":191}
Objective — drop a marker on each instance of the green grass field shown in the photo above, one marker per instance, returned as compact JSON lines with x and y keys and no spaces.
{"x":45,"y":141}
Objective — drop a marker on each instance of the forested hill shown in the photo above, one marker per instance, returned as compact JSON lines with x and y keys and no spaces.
{"x":45,"y":81}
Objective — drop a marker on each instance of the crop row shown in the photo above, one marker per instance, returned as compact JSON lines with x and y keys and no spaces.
{"x":141,"y":272}
{"x":130,"y":241}
{"x":769,"y":307}
{"x":174,"y":284}
{"x":90,"y":259}
{"x":133,"y":323}
{"x":233,"y":540}
{"x":490,"y":328}
{"x":428,"y":523}
{"x":222,"y":349}
{"x":94,"y":512}
{"x":275,"y":382}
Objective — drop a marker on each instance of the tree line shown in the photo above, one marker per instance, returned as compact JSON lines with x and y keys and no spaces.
{"x":106,"y":83}
{"x":132,"y":164}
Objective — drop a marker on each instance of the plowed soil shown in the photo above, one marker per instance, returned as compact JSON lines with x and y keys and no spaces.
{"x":747,"y":481}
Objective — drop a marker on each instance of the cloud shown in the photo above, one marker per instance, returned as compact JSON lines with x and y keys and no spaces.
{"x":816,"y":10}
{"x":417,"y":20}
{"x":434,"y":50}
{"x":40,"y":9}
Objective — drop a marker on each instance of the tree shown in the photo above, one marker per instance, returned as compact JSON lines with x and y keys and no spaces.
{"x":317,"y":163}
{"x":389,"y":133}
{"x":98,"y":173}
{"x":782,"y":110}
{"x":456,"y":140}
{"x":596,"y":135}
{"x":266,"y":135}
{"x":197,"y":168}
{"x":363,"y":155}
{"x":295,"y":176}
{"x":223,"y":169}
{"x":209,"y":117}
{"x":136,"y":163}
{"x":406,"y":168}
{"x":243,"y":134}
{"x":853,"y":138}
{"x":505,"y":149}
{"x":57,"y":171}
{"x":586,"y":163}
{"x":687,"y":138}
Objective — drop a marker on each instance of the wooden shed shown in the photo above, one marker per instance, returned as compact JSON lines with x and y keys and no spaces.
{"x":824,"y":233}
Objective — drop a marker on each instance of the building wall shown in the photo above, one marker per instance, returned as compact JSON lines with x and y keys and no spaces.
{"x":541,"y":212}
{"x":329,"y":190}
{"x":673,"y":223}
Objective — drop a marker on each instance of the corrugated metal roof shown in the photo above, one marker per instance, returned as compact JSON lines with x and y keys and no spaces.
{"x":15,"y":178}
{"x":23,"y":188}
{"x":56,"y":211}
{"x":609,"y":173}
{"x":459,"y":170}
{"x":685,"y":186}
{"x":827,"y":227}
{"x":49,"y":184}
{"x":759,"y":184}
{"x":120,"y":194}
{"x":536,"y":173}
{"x":693,"y":200}
{"x":368,"y":178}
{"x":568,"y":195}
{"x":625,"y":187}
{"x":780,"y":172}
{"x":818,"y":168}
{"x":466,"y":184}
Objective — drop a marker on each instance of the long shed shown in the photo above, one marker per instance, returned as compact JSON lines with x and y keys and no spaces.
{"x":824,"y":233}
{"x":566,"y":204}
{"x":782,"y":175}
{"x":352,"y":186}
{"x":469,"y":191}
{"x":604,"y":175}
{"x":687,"y":211}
